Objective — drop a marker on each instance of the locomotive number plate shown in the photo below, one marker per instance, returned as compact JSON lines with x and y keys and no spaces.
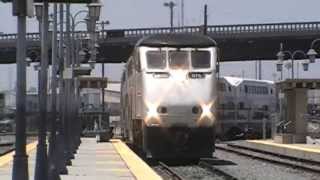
{"x":196,"y":75}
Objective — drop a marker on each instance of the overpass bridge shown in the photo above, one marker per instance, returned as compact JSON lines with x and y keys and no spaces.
{"x":237,"y":42}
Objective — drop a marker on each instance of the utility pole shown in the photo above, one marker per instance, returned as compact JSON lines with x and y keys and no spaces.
{"x":205,"y":26}
{"x":182,"y":13}
{"x":20,"y":158}
{"x":171,"y":5}
{"x":41,"y":171}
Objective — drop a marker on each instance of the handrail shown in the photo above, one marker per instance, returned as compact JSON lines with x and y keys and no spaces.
{"x":215,"y":30}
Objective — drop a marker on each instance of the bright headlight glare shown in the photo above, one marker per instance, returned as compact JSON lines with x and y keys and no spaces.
{"x":152,"y":112}
{"x":206,"y":111}
{"x":152,"y":117}
{"x":179,"y":75}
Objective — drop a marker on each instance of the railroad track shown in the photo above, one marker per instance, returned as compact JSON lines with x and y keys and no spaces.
{"x":171,"y":172}
{"x":271,"y":157}
{"x":209,"y":166}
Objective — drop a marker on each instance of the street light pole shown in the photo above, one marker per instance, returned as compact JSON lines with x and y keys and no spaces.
{"x":41,"y":171}
{"x":67,"y":108}
{"x":53,"y":173}
{"x":171,"y":5}
{"x":20,"y":159}
{"x":61,"y":142}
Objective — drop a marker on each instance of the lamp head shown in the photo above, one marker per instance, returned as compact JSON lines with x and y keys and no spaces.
{"x":279,"y":65}
{"x":305,"y":65}
{"x":91,"y":63}
{"x":39,"y":10}
{"x":95,"y":10}
{"x":280,"y":55}
{"x":312,"y":54}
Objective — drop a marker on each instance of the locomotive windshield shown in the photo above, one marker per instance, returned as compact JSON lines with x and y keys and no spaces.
{"x":156,"y":59}
{"x":200,"y":59}
{"x":179,"y":59}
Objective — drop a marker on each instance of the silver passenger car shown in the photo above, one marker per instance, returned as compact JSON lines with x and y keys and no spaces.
{"x":168,"y":96}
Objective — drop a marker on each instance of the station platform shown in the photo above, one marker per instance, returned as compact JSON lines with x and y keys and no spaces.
{"x":308,"y":152}
{"x":112,"y":160}
{"x":7,"y":159}
{"x":99,"y":161}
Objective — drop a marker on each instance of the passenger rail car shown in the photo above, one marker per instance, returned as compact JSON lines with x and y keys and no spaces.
{"x":168,"y":96}
{"x":243,"y":105}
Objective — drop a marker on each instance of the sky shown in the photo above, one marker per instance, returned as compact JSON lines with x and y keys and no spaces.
{"x":152,"y":13}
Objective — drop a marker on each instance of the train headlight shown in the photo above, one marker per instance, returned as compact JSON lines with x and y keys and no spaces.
{"x":152,"y":118}
{"x":206,"y":111}
{"x":179,"y":75}
{"x":207,"y":117}
{"x":152,"y":111}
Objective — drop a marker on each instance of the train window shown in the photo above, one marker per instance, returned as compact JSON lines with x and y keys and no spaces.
{"x":156,"y":59}
{"x":178,"y":59}
{"x":200,"y":59}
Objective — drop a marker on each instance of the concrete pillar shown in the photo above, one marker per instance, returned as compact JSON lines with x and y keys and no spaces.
{"x":297,"y":100}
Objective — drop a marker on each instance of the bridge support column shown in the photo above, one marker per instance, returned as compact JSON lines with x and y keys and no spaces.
{"x":295,"y":108}
{"x":297,"y":102}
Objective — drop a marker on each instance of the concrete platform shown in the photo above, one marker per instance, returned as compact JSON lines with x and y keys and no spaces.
{"x":308,"y":152}
{"x":112,"y":160}
{"x":93,"y":161}
{"x":6,"y":162}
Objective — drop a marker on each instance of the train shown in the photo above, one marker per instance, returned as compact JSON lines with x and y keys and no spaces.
{"x":243,"y":106}
{"x":169,"y":96}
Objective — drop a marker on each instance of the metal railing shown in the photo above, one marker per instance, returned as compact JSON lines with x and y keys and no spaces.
{"x":215,"y":30}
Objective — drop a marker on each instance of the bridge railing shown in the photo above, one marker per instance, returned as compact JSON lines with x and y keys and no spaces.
{"x":216,"y":30}
{"x":265,"y":28}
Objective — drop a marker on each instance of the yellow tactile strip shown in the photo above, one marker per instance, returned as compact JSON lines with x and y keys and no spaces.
{"x":136,"y":165}
{"x":7,"y":158}
{"x":289,"y":146}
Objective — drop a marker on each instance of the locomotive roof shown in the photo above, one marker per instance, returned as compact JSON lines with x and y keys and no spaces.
{"x":177,"y":40}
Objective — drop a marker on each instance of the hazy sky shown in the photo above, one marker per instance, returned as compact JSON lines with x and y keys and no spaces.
{"x":152,"y":13}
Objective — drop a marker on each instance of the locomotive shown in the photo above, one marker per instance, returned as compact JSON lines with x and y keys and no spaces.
{"x":169,"y":96}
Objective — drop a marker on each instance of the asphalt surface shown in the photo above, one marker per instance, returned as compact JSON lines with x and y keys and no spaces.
{"x":245,"y":168}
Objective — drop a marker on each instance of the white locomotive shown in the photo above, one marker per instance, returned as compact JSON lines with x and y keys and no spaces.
{"x":169,"y":96}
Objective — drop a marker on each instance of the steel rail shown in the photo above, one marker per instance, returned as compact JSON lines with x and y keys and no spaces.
{"x":214,"y":170}
{"x":273,"y":158}
{"x":171,"y":172}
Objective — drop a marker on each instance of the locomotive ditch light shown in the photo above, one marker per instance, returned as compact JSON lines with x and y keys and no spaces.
{"x":152,"y":111}
{"x":206,"y":111}
{"x":152,"y":118}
